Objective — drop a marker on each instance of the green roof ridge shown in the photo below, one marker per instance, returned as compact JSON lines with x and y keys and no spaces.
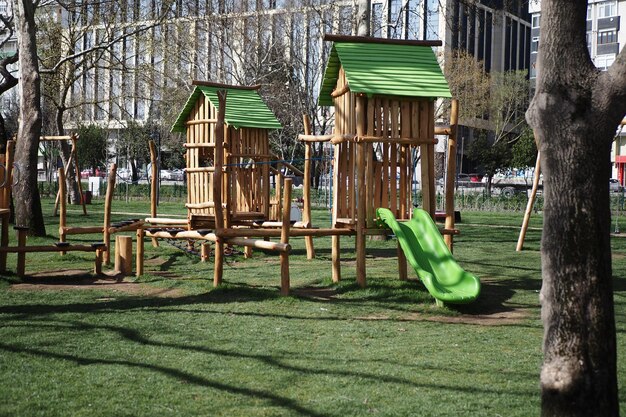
{"x":244,"y":108}
{"x":384,"y":69}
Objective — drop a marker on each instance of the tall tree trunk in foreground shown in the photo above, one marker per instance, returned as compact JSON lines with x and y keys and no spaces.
{"x":26,"y":193}
{"x":574,"y":114}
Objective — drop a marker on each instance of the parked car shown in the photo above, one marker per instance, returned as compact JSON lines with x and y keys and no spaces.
{"x":124,"y":173}
{"x":615,"y":186}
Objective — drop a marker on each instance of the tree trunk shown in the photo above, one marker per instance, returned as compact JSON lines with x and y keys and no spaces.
{"x":26,"y":193}
{"x":574,"y":115}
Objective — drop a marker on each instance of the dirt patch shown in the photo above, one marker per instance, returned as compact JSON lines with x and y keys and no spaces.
{"x":502,"y":318}
{"x":72,"y":280}
{"x":322,"y":294}
{"x":495,"y":319}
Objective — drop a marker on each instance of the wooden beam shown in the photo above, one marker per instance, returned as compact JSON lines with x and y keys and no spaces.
{"x":218,"y":270}
{"x":451,"y":172}
{"x":314,"y":138}
{"x":530,"y":204}
{"x":306,"y":188}
{"x":368,"y":39}
{"x":225,"y":86}
{"x":153,"y":184}
{"x":284,"y":238}
{"x":361,"y":126}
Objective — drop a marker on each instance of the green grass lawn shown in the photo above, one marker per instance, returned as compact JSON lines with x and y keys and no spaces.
{"x":175,"y":346}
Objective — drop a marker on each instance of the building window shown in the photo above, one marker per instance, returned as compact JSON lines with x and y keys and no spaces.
{"x":395,"y":20}
{"x":413,"y":19}
{"x":606,"y":36}
{"x":603,"y":62}
{"x":3,"y":8}
{"x":607,"y":9}
{"x":534,"y":45}
{"x":589,"y":38}
{"x":536,"y":21}
{"x":589,"y":15}
{"x":377,"y":17}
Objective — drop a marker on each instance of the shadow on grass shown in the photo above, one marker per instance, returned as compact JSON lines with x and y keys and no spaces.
{"x":275,"y":399}
{"x":325,"y":366}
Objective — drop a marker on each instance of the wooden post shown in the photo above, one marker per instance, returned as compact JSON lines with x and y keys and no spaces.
{"x":74,"y":152}
{"x":6,"y":202}
{"x":402,"y":266}
{"x":284,"y":238}
{"x":10,"y":156}
{"x":306,"y":188}
{"x":451,"y":172}
{"x":108,"y":200}
{"x":217,"y":188}
{"x":530,"y":204}
{"x":97,"y":268}
{"x":123,"y":254}
{"x":247,"y":252}
{"x":62,"y":198}
{"x":65,"y":171}
{"x":336,"y":258}
{"x":205,"y":251}
{"x":21,"y":255}
{"x":140,"y":252}
{"x":153,"y":185}
{"x":361,"y":124}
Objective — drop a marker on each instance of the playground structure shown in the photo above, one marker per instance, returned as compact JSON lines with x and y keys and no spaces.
{"x":222,"y":196}
{"x":383,"y":93}
{"x":247,"y":161}
{"x":431,"y":259}
{"x":379,"y":121}
{"x":107,"y":229}
{"x":6,"y":182}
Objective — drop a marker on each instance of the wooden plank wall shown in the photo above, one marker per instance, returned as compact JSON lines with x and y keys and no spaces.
{"x":389,"y":166}
{"x":249,"y":170}
{"x":200,"y":132}
{"x":344,"y":185}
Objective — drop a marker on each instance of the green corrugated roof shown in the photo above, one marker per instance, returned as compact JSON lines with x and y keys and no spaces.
{"x":244,"y":108}
{"x":384,"y":69}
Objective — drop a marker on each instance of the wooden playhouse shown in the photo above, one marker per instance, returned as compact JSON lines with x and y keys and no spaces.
{"x":246,"y":156}
{"x":383,"y":93}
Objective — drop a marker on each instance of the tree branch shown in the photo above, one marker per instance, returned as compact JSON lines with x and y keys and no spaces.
{"x":105,"y":46}
{"x":612,"y":88}
{"x":9,"y":81}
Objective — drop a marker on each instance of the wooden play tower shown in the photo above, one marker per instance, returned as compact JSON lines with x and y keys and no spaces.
{"x":383,"y":93}
{"x":245,"y":190}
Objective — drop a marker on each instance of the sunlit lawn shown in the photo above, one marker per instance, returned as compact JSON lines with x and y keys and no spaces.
{"x":177,"y":346}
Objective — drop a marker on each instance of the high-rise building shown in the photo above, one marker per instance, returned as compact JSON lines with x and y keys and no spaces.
{"x":605,"y":39}
{"x":8,"y":47}
{"x":241,"y":41}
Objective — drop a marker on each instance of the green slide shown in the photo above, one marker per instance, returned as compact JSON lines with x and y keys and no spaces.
{"x":431,"y":259}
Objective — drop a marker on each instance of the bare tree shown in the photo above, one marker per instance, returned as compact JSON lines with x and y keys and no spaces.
{"x":7,"y":80}
{"x":90,"y":44}
{"x":574,"y":114}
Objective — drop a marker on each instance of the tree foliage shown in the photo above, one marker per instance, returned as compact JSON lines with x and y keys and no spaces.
{"x":524,"y":151}
{"x":92,"y":147}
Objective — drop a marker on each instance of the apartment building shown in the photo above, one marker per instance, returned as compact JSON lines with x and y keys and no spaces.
{"x":605,"y":39}
{"x":229,"y":41}
{"x":8,"y":46}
